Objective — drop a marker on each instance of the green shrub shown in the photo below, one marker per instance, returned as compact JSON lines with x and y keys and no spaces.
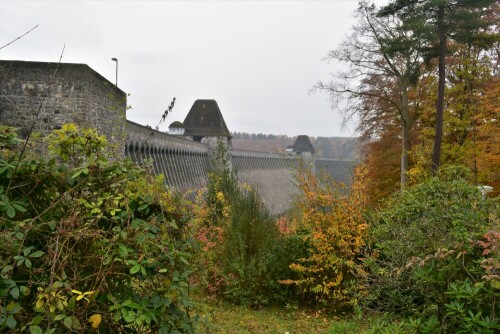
{"x":425,"y":244}
{"x":252,"y":254}
{"x":243,"y":254}
{"x":89,"y":243}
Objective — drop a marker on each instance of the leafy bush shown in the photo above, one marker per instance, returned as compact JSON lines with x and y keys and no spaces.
{"x":89,"y":243}
{"x":253,"y":254}
{"x":333,"y":230}
{"x":243,"y":256}
{"x":428,"y":256}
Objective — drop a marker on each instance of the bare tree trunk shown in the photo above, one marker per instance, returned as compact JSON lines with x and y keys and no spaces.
{"x":438,"y":138}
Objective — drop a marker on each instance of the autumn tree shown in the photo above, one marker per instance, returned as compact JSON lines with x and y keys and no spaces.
{"x":469,"y":74}
{"x":385,"y":58}
{"x":488,"y":140}
{"x":462,"y":21}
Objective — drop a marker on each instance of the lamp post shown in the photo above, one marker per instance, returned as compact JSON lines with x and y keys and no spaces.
{"x":116,"y":80}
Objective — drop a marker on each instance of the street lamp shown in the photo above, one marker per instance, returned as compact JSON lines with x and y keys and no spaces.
{"x":116,"y":81}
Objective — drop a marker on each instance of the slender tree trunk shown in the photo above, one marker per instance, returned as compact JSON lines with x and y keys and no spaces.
{"x":405,"y":135}
{"x":438,"y":138}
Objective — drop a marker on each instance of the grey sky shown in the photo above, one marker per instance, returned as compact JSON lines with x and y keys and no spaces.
{"x":258,"y":59}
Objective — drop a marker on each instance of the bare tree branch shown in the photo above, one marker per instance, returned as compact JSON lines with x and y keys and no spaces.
{"x":6,"y":45}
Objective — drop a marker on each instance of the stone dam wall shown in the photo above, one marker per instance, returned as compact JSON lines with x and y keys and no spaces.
{"x":48,"y":95}
{"x":270,"y":173}
{"x":185,"y":165}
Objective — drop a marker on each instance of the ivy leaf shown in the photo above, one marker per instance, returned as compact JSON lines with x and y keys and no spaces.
{"x":122,"y":250}
{"x":39,"y":303}
{"x":36,"y":321}
{"x":27,"y":250}
{"x":76,"y":324}
{"x":13,"y":308}
{"x":6,"y":269}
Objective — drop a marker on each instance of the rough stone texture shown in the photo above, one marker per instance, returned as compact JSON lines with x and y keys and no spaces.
{"x":50,"y":95}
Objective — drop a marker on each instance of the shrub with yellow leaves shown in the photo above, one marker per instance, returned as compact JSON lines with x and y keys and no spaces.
{"x":333,"y":229}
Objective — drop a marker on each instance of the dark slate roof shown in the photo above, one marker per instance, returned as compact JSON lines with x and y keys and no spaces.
{"x":205,"y":119}
{"x":177,"y":125}
{"x":303,"y":144}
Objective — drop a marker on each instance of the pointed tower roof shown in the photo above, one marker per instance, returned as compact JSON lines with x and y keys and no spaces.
{"x":303,"y":144}
{"x":205,"y":119}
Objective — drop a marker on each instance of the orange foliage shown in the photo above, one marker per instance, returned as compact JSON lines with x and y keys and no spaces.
{"x":382,"y":158}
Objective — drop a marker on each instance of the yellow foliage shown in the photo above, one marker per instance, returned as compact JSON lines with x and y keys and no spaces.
{"x":95,"y":320}
{"x":83,"y":295}
{"x":335,"y":233}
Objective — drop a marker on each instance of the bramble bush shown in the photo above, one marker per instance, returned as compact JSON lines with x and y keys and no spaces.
{"x":433,"y":257}
{"x":89,"y":243}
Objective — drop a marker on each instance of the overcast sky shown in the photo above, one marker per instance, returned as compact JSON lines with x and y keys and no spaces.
{"x":257,"y":59}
